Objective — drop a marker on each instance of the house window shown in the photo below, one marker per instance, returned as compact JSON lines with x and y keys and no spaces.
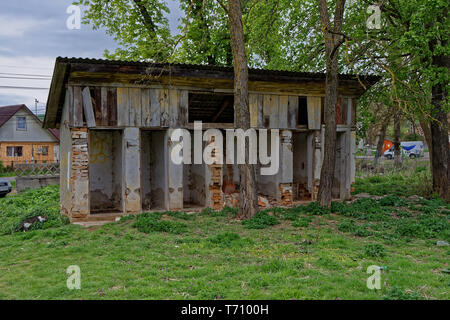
{"x":13,"y":151}
{"x":21,"y":123}
{"x":42,"y":150}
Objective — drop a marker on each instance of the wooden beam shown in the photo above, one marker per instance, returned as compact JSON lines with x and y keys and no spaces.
{"x":87,"y":108}
{"x":225,"y":104}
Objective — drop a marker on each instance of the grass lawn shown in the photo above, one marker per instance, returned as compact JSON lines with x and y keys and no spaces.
{"x":304,"y":252}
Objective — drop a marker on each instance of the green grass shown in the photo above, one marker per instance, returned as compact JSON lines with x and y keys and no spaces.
{"x":303,"y":252}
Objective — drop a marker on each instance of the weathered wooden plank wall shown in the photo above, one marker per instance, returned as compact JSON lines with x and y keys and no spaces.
{"x":161,"y":107}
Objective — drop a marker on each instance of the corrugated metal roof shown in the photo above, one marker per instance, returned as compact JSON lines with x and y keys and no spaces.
{"x":255,"y":71}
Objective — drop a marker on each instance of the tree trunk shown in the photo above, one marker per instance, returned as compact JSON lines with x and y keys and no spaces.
{"x":332,"y":42}
{"x":440,"y":144}
{"x":439,"y":127}
{"x":397,"y":148}
{"x":248,"y":198}
{"x":380,"y":143}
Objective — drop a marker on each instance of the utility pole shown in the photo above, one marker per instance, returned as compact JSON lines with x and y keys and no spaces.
{"x":35,"y":106}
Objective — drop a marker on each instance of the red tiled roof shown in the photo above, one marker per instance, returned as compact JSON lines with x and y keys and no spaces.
{"x":8,"y":111}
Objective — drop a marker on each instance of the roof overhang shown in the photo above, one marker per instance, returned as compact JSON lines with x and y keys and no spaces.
{"x":75,"y":71}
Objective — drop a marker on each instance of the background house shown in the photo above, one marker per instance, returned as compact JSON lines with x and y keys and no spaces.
{"x":23,"y":139}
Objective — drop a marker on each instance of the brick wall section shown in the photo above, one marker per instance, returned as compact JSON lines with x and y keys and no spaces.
{"x":215,"y":187}
{"x":80,"y":175}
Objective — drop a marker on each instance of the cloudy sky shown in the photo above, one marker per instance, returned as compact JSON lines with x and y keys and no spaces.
{"x":32,"y":34}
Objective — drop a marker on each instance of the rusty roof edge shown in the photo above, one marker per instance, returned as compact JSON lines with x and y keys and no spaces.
{"x":56,"y":94}
{"x":255,"y":71}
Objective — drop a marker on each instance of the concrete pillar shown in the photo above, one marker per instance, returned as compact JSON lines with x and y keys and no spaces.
{"x":317,"y":163}
{"x":79,"y":176}
{"x":175,"y":177}
{"x":131,"y":172}
{"x":285,"y":173}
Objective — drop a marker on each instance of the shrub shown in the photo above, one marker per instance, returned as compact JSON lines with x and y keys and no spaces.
{"x":261,"y":220}
{"x":374,"y":250}
{"x":16,"y":208}
{"x":228,"y":239}
{"x":396,"y":293}
{"x":150,"y":222}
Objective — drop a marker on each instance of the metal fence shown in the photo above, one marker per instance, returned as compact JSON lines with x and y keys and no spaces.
{"x":26,"y":169}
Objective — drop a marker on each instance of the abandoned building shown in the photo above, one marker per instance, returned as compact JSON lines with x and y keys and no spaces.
{"x":115,"y":117}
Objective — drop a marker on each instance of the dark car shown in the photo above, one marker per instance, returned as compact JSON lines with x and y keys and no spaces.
{"x":5,"y":188}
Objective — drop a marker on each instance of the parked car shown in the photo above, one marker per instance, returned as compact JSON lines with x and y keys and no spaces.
{"x":5,"y":188}
{"x":412,"y":149}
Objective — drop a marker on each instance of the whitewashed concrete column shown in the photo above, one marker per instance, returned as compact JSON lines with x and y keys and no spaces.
{"x":285,"y":173}
{"x":175,"y":177}
{"x":317,"y":163}
{"x":131,"y":170}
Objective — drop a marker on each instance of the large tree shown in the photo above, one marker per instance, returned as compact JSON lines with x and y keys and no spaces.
{"x":333,"y":40}
{"x":248,"y":198}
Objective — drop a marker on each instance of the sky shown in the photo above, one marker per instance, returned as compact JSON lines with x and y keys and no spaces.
{"x":32,"y":34}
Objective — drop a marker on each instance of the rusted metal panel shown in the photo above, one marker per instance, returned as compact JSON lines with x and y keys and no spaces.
{"x":87,"y":108}
{"x":314,"y":108}
{"x":155,"y":107}
{"x":135,"y":106}
{"x":123,"y":107}
{"x":292,"y":117}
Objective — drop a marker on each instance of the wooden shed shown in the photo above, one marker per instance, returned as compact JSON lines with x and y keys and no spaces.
{"x":115,"y":118}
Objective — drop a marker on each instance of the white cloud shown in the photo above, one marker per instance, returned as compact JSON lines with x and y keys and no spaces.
{"x":15,"y":26}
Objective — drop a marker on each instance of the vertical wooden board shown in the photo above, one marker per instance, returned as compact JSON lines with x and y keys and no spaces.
{"x":283,"y":112}
{"x":145,"y":107}
{"x":354,"y":106}
{"x":69,"y":104}
{"x":266,"y":110}
{"x":173,"y":108}
{"x":104,"y":106}
{"x":183,"y":104}
{"x":253,"y":110}
{"x":292,"y":117}
{"x":164,"y":105}
{"x":77,"y":107}
{"x":88,"y":108}
{"x":112,"y":106}
{"x":260,"y":104}
{"x":274,"y":101}
{"x":155,"y":107}
{"x":95,"y":93}
{"x":123,"y":108}
{"x":314,"y":106}
{"x":135,"y":106}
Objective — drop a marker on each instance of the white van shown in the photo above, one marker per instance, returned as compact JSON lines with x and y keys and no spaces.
{"x":412,"y":149}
